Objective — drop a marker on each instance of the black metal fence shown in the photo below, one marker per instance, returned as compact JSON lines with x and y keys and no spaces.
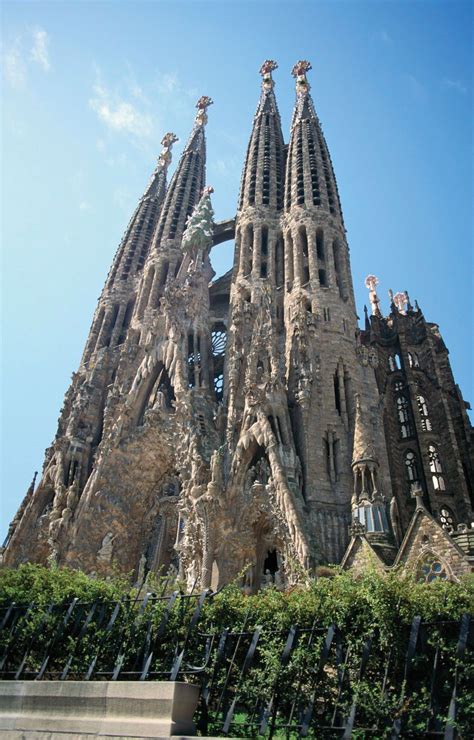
{"x":312,"y":681}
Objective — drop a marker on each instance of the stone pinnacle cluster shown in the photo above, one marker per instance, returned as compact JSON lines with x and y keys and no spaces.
{"x":246,"y":427}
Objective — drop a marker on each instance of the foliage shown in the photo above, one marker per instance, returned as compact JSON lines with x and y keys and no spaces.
{"x":113,"y":627}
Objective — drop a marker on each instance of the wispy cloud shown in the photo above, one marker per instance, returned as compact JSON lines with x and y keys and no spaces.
{"x":119,"y":114}
{"x":16,"y":60}
{"x":456,"y":85}
{"x":227,"y":166}
{"x":84,"y":205}
{"x":39,"y":51}
{"x":416,"y":88}
{"x":385,"y":37}
{"x":13,"y":63}
{"x":168,"y":83}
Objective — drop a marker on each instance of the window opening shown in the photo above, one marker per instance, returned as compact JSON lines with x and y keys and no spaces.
{"x":394,"y":362}
{"x":446,"y":517}
{"x":424,"y":417}
{"x":436,"y":469}
{"x":411,"y":467}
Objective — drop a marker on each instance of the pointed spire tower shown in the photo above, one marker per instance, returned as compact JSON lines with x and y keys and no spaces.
{"x":321,"y":324}
{"x":259,"y":259}
{"x":115,"y":307}
{"x":183,"y":194}
{"x":259,"y":249}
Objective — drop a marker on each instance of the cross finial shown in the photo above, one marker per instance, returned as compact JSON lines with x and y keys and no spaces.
{"x":299,"y":72}
{"x":167,"y":143}
{"x":202,"y":105}
{"x":266,"y":71}
{"x":371,"y":282}
{"x":400,"y":301}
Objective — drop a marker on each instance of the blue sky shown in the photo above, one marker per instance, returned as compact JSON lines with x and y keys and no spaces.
{"x":88,"y":90}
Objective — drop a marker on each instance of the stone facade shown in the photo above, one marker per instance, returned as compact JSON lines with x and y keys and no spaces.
{"x":246,"y":427}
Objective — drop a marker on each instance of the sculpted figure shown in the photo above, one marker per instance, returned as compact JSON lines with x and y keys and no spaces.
{"x":141,"y":570}
{"x":104,"y":554}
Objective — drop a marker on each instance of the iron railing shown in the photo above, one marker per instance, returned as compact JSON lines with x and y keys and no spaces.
{"x":312,"y":681}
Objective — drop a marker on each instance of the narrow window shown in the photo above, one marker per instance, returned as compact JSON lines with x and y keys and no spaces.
{"x":303,"y":240}
{"x":424,"y":417}
{"x":263,"y":269}
{"x":164,"y":272}
{"x":436,"y":469}
{"x":289,"y":256}
{"x":322,"y":278}
{"x":126,"y":320}
{"x":403,"y":416}
{"x":411,"y":467}
{"x":112,"y":324}
{"x":264,"y":242}
{"x":279,"y":262}
{"x":394,"y":362}
{"x":248,"y":249}
{"x":413,"y":360}
{"x":320,"y":244}
{"x":337,"y":395}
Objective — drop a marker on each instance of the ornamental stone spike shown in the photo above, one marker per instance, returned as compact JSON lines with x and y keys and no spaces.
{"x":202,"y":105}
{"x":266,"y":71}
{"x":164,"y":160}
{"x":400,"y":300}
{"x":371,"y":282}
{"x":299,"y":73}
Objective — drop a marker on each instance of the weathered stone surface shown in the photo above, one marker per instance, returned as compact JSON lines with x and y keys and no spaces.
{"x":99,"y":708}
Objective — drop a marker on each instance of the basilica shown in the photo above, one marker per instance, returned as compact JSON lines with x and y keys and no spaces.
{"x":247,"y":427}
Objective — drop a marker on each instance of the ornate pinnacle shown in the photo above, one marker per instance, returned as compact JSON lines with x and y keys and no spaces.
{"x":202,"y":105}
{"x":208,"y":190}
{"x":371,"y":283}
{"x":416,"y":492}
{"x":266,"y":71}
{"x":165,"y":155}
{"x":400,"y":300}
{"x":299,"y":72}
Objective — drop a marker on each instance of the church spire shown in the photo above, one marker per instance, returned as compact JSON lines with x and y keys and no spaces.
{"x":133,"y":249}
{"x":262,"y":178}
{"x":310,"y":180}
{"x":187,"y":182}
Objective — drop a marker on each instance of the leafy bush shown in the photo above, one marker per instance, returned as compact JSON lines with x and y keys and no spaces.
{"x":113,"y":628}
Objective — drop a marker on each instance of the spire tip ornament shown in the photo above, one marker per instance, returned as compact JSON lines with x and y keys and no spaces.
{"x":202,"y":105}
{"x":400,"y":300}
{"x":371,"y":282}
{"x":299,"y":73}
{"x":266,"y":70}
{"x":167,"y":142}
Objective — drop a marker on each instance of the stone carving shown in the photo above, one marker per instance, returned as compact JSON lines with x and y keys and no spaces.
{"x":371,"y":283}
{"x":104,"y":554}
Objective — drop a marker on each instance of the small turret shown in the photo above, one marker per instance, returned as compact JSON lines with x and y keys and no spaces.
{"x":367,"y":502}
